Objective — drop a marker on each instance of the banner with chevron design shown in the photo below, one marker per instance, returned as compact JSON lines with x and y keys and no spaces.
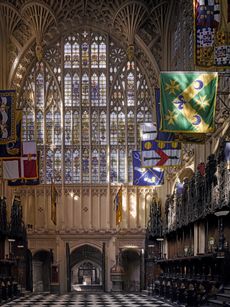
{"x":160,"y":154}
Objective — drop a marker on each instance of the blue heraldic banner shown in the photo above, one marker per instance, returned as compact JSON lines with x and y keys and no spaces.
{"x":13,"y":149}
{"x":145,"y":176}
{"x":7,"y":116}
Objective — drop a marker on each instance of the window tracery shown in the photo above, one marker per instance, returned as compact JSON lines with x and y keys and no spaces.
{"x":84,"y":109}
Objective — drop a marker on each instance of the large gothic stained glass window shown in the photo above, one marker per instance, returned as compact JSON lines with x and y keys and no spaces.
{"x":83,"y":104}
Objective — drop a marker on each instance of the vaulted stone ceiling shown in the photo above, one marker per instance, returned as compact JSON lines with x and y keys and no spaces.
{"x":145,"y":23}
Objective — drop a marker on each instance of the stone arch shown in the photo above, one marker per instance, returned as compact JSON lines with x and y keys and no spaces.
{"x":27,"y":56}
{"x":41,"y":266}
{"x":86,"y":267}
{"x":131,"y":262}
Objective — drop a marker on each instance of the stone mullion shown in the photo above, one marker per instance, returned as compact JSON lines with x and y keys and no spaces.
{"x":90,"y":120}
{"x":80,"y":108}
{"x":126,"y":222}
{"x":109,"y":214}
{"x":61,"y":208}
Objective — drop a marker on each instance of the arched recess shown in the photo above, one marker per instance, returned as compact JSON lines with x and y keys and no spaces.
{"x":132,"y":264}
{"x":87,"y":268}
{"x":41,"y":265}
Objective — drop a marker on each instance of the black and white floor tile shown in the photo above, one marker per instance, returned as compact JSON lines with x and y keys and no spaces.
{"x":88,"y":299}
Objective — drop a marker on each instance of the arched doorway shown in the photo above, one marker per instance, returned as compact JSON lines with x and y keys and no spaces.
{"x":86,"y":266}
{"x":41,"y":271}
{"x":131,"y":262}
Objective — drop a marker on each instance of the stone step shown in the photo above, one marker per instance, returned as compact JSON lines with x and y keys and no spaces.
{"x":224,"y":297}
{"x":217,"y":303}
{"x":227,"y":290}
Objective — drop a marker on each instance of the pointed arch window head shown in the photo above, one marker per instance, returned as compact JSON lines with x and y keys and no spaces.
{"x":102,"y":55}
{"x":67,"y":55}
{"x":94,"y":55}
{"x":75,"y":55}
{"x":84,"y":108}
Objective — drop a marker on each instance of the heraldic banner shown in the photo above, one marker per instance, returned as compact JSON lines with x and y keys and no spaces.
{"x":7,"y":116}
{"x":145,"y":176}
{"x":188,"y":101}
{"x":212,"y":33}
{"x":13,"y":149}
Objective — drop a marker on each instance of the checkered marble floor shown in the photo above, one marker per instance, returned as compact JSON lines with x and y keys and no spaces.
{"x":88,"y":299}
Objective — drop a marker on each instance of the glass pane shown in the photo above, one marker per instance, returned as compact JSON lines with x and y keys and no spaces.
{"x":102,"y":90}
{"x":94,"y":90}
{"x":85,"y":165}
{"x":40,"y":127}
{"x":103,"y":175}
{"x":94,"y":55}
{"x":103,"y":128}
{"x":76,"y":167}
{"x":85,"y":90}
{"x":102,"y":55}
{"x":41,"y":164}
{"x":68,"y":132}
{"x":49,"y":166}
{"x":76,"y":91}
{"x":113,"y":166}
{"x":121,"y":128}
{"x":95,"y":162}
{"x":76,"y":128}
{"x":67,"y":55}
{"x":85,"y":55}
{"x":85,"y":128}
{"x":95,"y":128}
{"x":24,"y":130}
{"x":68,"y":94}
{"x":113,"y":128}
{"x":39,"y":91}
{"x":57,"y":166}
{"x":75,"y":55}
{"x":68,"y":166}
{"x":130,"y":89}
{"x":49,"y":127}
{"x":130,"y":165}
{"x":131,"y":128}
{"x":121,"y":166}
{"x":57,"y":128}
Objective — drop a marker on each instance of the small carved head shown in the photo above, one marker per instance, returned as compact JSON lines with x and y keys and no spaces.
{"x":39,"y":51}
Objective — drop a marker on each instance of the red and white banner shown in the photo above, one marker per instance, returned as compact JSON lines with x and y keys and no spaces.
{"x":24,"y":167}
{"x":11,"y":169}
{"x":29,"y":165}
